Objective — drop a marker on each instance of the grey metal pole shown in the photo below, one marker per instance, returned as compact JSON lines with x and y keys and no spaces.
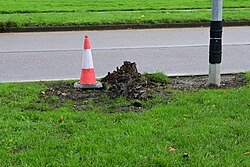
{"x":215,"y":47}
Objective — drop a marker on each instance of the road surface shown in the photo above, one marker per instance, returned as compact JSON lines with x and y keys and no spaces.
{"x":58,"y":55}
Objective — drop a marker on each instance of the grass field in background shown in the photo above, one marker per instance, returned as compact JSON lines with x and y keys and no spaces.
{"x":82,"y":12}
{"x":207,"y":128}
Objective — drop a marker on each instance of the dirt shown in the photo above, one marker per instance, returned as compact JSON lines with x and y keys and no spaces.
{"x":127,"y":82}
{"x":200,"y":82}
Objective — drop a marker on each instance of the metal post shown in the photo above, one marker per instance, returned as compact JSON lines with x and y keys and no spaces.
{"x":215,"y":47}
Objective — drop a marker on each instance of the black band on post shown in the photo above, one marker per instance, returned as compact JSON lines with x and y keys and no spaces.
{"x":215,"y":51}
{"x":215,"y":47}
{"x":216,"y":29}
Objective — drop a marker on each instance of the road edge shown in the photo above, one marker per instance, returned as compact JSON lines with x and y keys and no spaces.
{"x":117,"y":27}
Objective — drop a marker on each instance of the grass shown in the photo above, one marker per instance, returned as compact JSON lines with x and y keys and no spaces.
{"x":56,"y":13}
{"x":158,"y":77}
{"x":207,"y":128}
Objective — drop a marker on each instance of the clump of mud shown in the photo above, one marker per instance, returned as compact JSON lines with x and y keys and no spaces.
{"x":127,"y":82}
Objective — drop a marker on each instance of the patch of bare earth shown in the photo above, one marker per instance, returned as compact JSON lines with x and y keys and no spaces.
{"x":127,"y":82}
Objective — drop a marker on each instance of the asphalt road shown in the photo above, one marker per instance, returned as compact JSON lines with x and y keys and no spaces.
{"x":58,"y":55}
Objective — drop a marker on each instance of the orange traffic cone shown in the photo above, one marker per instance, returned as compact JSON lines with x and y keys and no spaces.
{"x":88,"y":79}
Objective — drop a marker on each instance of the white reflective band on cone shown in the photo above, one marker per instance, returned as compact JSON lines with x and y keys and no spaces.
{"x":87,"y":59}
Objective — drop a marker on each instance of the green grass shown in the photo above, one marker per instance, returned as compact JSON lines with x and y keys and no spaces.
{"x":211,"y":126}
{"x":158,"y":77}
{"x":65,"y":12}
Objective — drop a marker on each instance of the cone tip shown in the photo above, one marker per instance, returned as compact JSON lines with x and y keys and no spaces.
{"x":86,"y":42}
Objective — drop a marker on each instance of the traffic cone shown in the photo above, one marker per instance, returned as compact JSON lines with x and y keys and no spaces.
{"x":87,"y":79}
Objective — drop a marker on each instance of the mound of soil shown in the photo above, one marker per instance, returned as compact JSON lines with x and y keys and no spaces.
{"x":126,"y":81}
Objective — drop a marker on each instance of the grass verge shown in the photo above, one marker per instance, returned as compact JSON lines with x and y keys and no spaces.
{"x":207,"y":127}
{"x":58,"y":13}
